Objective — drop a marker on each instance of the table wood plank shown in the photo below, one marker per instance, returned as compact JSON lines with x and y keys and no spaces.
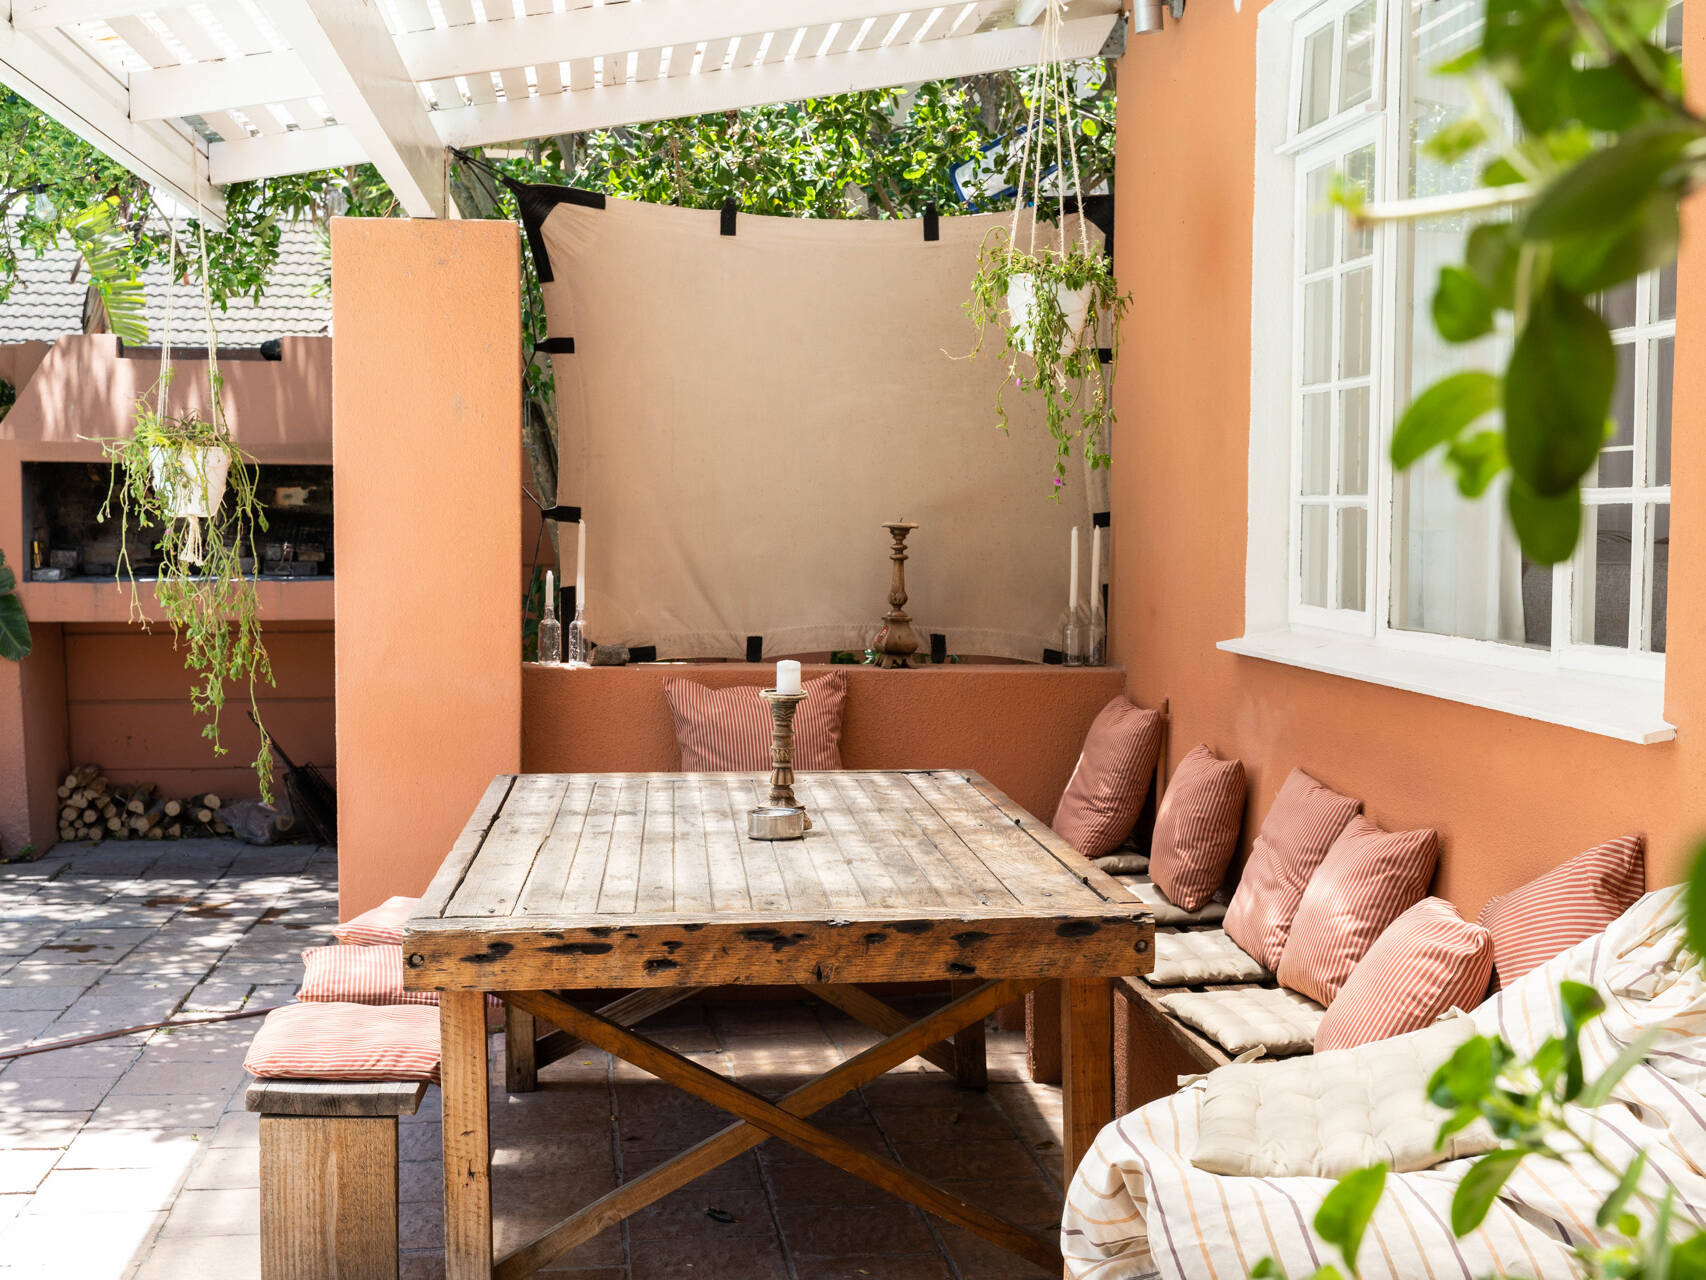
{"x":692,"y":868}
{"x":584,"y":876}
{"x":494,"y":880}
{"x":760,"y":858}
{"x":544,"y":885}
{"x":940,"y":853}
{"x":619,"y":891}
{"x":884,"y":840}
{"x":1031,"y":872}
{"x":456,"y":863}
{"x":655,"y":887}
{"x":729,"y":889}
{"x":833,"y":814}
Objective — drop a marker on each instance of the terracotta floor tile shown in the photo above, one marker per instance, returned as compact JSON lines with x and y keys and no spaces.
{"x":891,"y":1266}
{"x":745,"y":1258}
{"x":705,"y":1213}
{"x":973,"y":1159}
{"x":1031,"y":1202}
{"x":839,"y":1231}
{"x":978,"y":1259}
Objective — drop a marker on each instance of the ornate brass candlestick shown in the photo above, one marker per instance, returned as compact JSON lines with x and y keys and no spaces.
{"x":781,"y":817}
{"x":897,"y":641}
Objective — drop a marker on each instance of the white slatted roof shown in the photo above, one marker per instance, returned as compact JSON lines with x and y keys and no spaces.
{"x":195,"y":95}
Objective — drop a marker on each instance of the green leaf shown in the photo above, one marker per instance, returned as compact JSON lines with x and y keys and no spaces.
{"x":1688,"y":1258}
{"x":1456,"y":140}
{"x":1346,"y":1210}
{"x":1599,"y":192}
{"x":1463,"y":1079}
{"x":15,"y":641}
{"x":1598,"y":1091}
{"x":1580,"y":1004}
{"x":1696,"y":902}
{"x":1649,"y":239}
{"x":1613,"y":1206}
{"x":1606,"y":98}
{"x":1481,"y":1185}
{"x":1491,"y":255}
{"x":1558,"y":392}
{"x":1478,"y":460}
{"x":1090,"y":127}
{"x":1547,"y":527}
{"x":1461,"y":308}
{"x":1441,"y":412}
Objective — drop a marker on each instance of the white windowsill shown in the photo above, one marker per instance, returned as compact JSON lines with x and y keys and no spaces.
{"x":1624,"y":707}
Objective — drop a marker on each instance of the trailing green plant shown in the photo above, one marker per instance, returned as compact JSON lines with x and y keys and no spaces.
{"x":1050,"y":302}
{"x":101,"y":237}
{"x":15,"y":642}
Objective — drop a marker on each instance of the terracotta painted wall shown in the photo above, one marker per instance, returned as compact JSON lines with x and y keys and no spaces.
{"x":1021,"y":727}
{"x":1511,"y":797}
{"x":426,"y":405}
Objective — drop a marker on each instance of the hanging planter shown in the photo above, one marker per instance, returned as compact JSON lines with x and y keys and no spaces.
{"x":1052,"y":302}
{"x":182,"y":479}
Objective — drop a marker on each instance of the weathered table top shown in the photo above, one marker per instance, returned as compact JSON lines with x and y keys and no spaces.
{"x":649,"y":879}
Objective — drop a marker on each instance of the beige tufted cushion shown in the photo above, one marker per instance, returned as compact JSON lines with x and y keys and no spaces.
{"x":1144,"y":890}
{"x":1199,"y":956}
{"x":1322,"y":1116}
{"x":1270,"y":1018}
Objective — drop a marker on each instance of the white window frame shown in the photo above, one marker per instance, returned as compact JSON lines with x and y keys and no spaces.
{"x":1614,"y":692}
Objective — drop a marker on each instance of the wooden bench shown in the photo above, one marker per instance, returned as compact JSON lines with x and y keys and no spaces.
{"x":329,"y":1176}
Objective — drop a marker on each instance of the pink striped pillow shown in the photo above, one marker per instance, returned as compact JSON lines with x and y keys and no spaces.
{"x":1429,"y":960}
{"x":1553,"y":912}
{"x":1105,"y":794}
{"x":346,"y":1042}
{"x":1367,"y":880}
{"x":358,"y":975}
{"x":379,"y":925}
{"x":1196,"y":828}
{"x":728,"y":730}
{"x":1305,"y":820}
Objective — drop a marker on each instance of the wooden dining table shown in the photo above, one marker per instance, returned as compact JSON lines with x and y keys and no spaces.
{"x":567,"y":884}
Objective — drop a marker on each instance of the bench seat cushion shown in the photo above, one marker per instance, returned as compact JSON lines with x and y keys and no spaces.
{"x":357,"y":975}
{"x":1197,"y":956}
{"x":1147,"y":892}
{"x":325,"y":1041}
{"x":378,"y":926}
{"x":1325,"y":1115}
{"x":1277,"y":1021}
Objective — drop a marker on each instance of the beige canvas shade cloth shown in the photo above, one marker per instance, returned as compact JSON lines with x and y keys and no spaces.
{"x":741,"y":413}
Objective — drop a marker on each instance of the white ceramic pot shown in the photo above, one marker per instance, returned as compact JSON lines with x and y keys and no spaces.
{"x":1022,"y":301}
{"x":193,"y":476}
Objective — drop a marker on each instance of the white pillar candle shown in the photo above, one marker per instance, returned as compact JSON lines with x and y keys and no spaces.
{"x":580,"y":570}
{"x":1072,"y":581}
{"x":788,"y":676}
{"x":1095,"y":567}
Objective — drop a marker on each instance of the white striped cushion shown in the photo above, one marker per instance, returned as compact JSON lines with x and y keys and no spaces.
{"x":729,"y":730}
{"x":346,"y":1042}
{"x":1196,"y":827}
{"x":358,"y":975}
{"x":379,"y":925}
{"x":1552,"y":913}
{"x":1305,"y":820}
{"x":1105,"y":794}
{"x":1367,"y":880}
{"x":1200,"y":956}
{"x":1429,"y":960}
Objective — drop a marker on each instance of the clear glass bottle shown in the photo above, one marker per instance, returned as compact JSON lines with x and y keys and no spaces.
{"x":550,"y":630}
{"x":1072,"y":623}
{"x":1096,"y":634}
{"x":577,"y":640}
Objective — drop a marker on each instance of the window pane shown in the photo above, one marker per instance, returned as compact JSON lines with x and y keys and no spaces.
{"x":1617,"y":307}
{"x":1658,"y":430}
{"x":1356,"y":69}
{"x":1353,"y":558}
{"x":1616,"y":466}
{"x":1537,"y":604}
{"x":1602,"y":575}
{"x":1353,"y":441}
{"x":1356,"y":339}
{"x":1317,"y":436}
{"x":1313,"y":565}
{"x":1318,"y":331}
{"x":1317,"y":78}
{"x":1658,"y":574}
{"x":1320,"y":217}
{"x":1667,"y":293}
{"x":1359,"y":172}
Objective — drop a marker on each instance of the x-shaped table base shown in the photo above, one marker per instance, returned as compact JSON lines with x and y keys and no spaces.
{"x":759,"y":1119}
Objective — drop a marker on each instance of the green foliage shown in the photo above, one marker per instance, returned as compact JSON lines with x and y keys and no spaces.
{"x":1606,"y":148}
{"x":15,"y":642}
{"x":106,"y":249}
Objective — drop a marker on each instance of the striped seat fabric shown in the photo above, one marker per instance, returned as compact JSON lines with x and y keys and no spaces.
{"x":1367,"y":880}
{"x":728,"y":730}
{"x":1196,"y":827}
{"x":346,"y":1042}
{"x":1555,"y":911}
{"x":357,"y":975}
{"x":1305,"y":820}
{"x":1430,"y":960}
{"x":379,"y":926}
{"x":1105,"y":794}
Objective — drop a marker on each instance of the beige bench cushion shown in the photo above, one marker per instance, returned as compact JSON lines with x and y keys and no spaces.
{"x":1272,"y":1019}
{"x":1325,"y":1115}
{"x":1201,"y":956}
{"x":1145,"y":891}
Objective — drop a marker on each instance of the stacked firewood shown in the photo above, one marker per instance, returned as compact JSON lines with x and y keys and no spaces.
{"x":93,"y":807}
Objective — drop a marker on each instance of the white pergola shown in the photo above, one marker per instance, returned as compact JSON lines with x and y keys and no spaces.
{"x":195,"y":95}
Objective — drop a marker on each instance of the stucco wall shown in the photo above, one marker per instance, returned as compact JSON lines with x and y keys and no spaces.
{"x":1510,"y":796}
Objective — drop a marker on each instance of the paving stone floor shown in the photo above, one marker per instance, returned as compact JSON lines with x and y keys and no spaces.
{"x":134,"y":1160}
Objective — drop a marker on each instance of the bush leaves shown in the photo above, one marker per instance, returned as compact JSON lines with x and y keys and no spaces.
{"x":1598,"y":192}
{"x":1481,"y":1185}
{"x":1558,"y":392}
{"x":1547,"y":527}
{"x":15,"y":642}
{"x":1442,"y":411}
{"x":1346,"y":1210}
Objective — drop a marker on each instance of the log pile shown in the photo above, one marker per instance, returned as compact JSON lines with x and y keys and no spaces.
{"x":93,"y":807}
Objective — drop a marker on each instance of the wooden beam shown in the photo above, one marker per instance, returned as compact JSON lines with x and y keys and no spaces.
{"x":195,"y":88}
{"x":881,"y":1016}
{"x":350,"y":54}
{"x":1087,"y":1064}
{"x":38,"y":15}
{"x":467,"y":1136}
{"x":296,"y":151}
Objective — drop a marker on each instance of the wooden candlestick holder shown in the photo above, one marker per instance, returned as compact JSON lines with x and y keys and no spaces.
{"x":897,"y":641}
{"x":781,"y":817}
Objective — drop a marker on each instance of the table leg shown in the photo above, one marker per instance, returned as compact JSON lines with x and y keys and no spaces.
{"x":1042,"y":1034}
{"x":467,"y":1141}
{"x":971,"y":1062}
{"x":521,"y":1051}
{"x":1087,"y":1063}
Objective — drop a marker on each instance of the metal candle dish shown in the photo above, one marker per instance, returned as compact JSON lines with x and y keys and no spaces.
{"x":780,"y":817}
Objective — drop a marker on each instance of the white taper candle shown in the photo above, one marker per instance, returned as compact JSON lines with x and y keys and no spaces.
{"x":1072,"y":581}
{"x":1095,"y":566}
{"x":550,"y":600}
{"x":580,"y":570}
